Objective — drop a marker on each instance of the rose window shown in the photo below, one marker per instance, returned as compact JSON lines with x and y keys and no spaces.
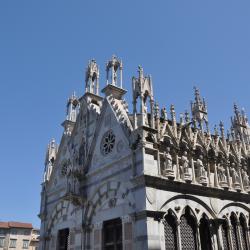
{"x":108,"y":142}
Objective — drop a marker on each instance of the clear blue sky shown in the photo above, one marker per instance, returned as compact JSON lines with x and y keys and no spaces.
{"x":44,"y":49}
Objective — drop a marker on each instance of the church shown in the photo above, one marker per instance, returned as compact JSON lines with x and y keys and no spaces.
{"x":145,"y":179}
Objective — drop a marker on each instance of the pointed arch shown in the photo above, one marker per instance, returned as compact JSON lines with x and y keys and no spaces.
{"x":234,"y":234}
{"x":60,"y":211}
{"x":188,"y":229}
{"x":225,"y":234}
{"x":205,"y":233}
{"x":197,"y":203}
{"x":243,"y":231}
{"x":170,"y":230}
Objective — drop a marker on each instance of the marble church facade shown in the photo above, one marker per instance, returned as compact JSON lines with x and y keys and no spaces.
{"x":144,"y":179}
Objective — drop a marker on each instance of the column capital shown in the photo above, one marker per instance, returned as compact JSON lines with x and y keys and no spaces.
{"x":98,"y":225}
{"x":126,"y":219}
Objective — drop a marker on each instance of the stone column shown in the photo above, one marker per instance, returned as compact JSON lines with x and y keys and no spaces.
{"x":97,"y":236}
{"x":178,"y":223}
{"x":238,"y":234}
{"x":213,"y":229}
{"x":112,"y":75}
{"x":248,"y":236}
{"x":153,"y":236}
{"x":228,"y":178}
{"x":127,"y":233}
{"x":162,"y":233}
{"x":230,"y":228}
{"x":216,"y":181}
{"x":107,"y":76}
{"x":208,"y":172}
{"x":198,"y":238}
{"x":177,"y":166}
{"x":193,"y":171}
{"x":219,"y":235}
{"x":241,"y":181}
{"x":121,"y":68}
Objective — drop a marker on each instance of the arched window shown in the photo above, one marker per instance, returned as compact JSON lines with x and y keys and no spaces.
{"x":235,"y":240}
{"x":170,"y":231}
{"x":243,"y":230}
{"x":225,"y":233}
{"x":188,"y":231}
{"x":205,"y":236}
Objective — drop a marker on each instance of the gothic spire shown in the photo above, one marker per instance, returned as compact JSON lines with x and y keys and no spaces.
{"x":92,"y":78}
{"x":143,"y":90}
{"x":113,"y":67}
{"x":114,"y":87}
{"x":50,"y":159}
{"x":199,"y":110}
{"x":71,"y":114}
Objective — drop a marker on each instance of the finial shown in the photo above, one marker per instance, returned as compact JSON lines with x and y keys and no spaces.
{"x":232,"y":133}
{"x":216,"y":133}
{"x":53,"y":143}
{"x":181,"y":119}
{"x":222,"y":129}
{"x":113,"y":66}
{"x":187,"y":117}
{"x":204,"y":104}
{"x":236,"y":110}
{"x":157,"y":111}
{"x":92,"y":77}
{"x":164,"y":113}
{"x":197,"y":95}
{"x":194,"y":123}
{"x":207,"y":127}
{"x":140,"y":71}
{"x":172,"y":111}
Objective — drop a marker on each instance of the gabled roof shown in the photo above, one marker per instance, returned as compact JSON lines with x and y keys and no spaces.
{"x":13,"y":224}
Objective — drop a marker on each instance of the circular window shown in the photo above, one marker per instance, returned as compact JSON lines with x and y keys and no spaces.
{"x":108,"y":142}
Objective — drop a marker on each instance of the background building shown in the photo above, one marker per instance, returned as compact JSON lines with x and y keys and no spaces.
{"x":145,"y":179}
{"x":17,"y":235}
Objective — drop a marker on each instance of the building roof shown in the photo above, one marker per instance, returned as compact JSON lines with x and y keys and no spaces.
{"x":4,"y":225}
{"x":13,"y":224}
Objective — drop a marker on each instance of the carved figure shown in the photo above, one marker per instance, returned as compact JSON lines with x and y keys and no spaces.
{"x":145,"y":111}
{"x":245,"y":178}
{"x":185,"y":174}
{"x":221,"y":173}
{"x":164,"y":113}
{"x":201,"y":172}
{"x":168,"y":162}
{"x":185,"y":162}
{"x":235,"y":177}
{"x":200,"y":167}
{"x":222,"y":177}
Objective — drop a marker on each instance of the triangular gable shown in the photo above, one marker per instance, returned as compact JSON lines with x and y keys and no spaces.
{"x":111,"y":138}
{"x":63,"y":154}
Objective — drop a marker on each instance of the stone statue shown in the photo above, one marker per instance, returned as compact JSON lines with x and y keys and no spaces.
{"x":221,"y":173}
{"x":235,"y":176}
{"x":185,"y":174}
{"x":200,"y":166}
{"x":168,"y":162}
{"x":145,"y":111}
{"x":185,"y":162}
{"x":201,"y":170}
{"x":164,"y":113}
{"x":245,"y":178}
